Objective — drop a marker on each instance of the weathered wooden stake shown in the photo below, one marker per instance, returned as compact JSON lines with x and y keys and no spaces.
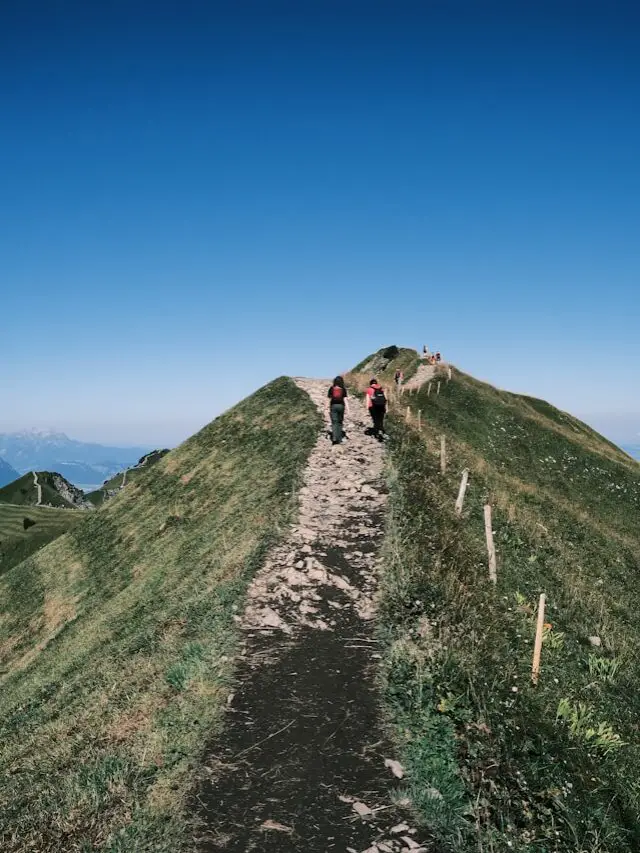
{"x":443,"y":454}
{"x":537,"y":648}
{"x":428,"y":389}
{"x":450,"y":374}
{"x":419,"y":418}
{"x":461,"y":493}
{"x":488,"y":529}
{"x":408,"y":415}
{"x":438,"y":387}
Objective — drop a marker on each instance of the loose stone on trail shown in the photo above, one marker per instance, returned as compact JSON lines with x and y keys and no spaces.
{"x":300,"y":764}
{"x":395,"y":767}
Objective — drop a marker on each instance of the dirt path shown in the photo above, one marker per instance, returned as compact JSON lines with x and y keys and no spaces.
{"x":38,"y":487}
{"x":304,"y":748}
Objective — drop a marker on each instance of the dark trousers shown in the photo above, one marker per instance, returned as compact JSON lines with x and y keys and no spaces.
{"x":377,"y":416}
{"x":337,"y":417}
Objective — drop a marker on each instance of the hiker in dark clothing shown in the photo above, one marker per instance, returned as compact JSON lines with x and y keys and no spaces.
{"x":377,"y":405}
{"x":337,"y":404}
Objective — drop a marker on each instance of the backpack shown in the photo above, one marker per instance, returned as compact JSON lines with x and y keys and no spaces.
{"x":337,"y":394}
{"x":377,"y":398}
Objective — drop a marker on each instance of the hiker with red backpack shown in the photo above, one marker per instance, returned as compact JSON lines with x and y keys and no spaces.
{"x":377,"y":405}
{"x":337,"y":404}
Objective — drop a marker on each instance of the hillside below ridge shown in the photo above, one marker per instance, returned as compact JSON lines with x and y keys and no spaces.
{"x":565,"y":503}
{"x":117,"y":641}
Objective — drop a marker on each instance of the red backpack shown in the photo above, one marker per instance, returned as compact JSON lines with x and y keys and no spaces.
{"x":337,"y":394}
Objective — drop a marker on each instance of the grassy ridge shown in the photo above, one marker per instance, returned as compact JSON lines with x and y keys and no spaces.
{"x":117,"y":639}
{"x":384,"y":363}
{"x":23,"y":491}
{"x":98,"y":496}
{"x":497,"y":764}
{"x":18,"y":540}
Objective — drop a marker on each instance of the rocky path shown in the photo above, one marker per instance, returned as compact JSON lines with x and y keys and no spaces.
{"x":424,"y":373}
{"x":304,"y":763}
{"x":38,"y":488}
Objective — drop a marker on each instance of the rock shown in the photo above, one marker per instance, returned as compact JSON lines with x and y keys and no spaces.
{"x":274,"y":825}
{"x":595,"y":641}
{"x":361,"y":809}
{"x":395,"y":767}
{"x":433,"y":794}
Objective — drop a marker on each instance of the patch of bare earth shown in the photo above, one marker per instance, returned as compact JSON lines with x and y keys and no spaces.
{"x":303,"y":762}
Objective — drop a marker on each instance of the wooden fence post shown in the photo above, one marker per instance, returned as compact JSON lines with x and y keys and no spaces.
{"x":488,"y":529}
{"x":443,"y":454}
{"x":419,"y":419}
{"x":537,"y":648}
{"x":438,"y":387}
{"x":450,"y":374}
{"x":461,"y":493}
{"x":428,"y":389}
{"x":408,"y":415}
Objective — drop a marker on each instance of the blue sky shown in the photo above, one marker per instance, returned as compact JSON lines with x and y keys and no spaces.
{"x":196,"y":197}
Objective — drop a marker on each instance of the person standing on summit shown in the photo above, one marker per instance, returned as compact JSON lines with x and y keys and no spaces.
{"x":377,"y":405}
{"x":337,"y":404}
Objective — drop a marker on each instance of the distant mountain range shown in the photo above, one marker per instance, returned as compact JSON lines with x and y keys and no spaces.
{"x":84,"y":464}
{"x":7,"y":473}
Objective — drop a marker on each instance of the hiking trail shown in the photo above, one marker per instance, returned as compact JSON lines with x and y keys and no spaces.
{"x":424,"y":373}
{"x":38,"y":487}
{"x":300,"y":764}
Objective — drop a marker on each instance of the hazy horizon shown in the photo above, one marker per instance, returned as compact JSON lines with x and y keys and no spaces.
{"x":621,"y":427}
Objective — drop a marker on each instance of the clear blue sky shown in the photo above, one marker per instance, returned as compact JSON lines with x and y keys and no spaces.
{"x":196,"y":197}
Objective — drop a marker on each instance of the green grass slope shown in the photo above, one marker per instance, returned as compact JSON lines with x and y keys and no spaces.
{"x":24,"y":530}
{"x":23,"y":491}
{"x":99,"y":496}
{"x":117,"y":639}
{"x":495,"y":763}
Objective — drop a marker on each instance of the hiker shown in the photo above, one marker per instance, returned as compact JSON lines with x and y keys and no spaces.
{"x":425,"y":351}
{"x":337,"y":404}
{"x":377,"y":405}
{"x":399,"y":376}
{"x":438,"y":357}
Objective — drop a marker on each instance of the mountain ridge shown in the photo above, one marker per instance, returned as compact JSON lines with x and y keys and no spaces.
{"x":121,"y":642}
